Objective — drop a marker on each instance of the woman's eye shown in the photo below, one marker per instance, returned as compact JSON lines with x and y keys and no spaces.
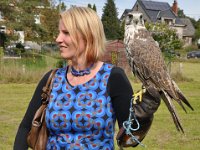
{"x":66,"y":32}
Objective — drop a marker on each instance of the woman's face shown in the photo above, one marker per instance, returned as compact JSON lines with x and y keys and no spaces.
{"x":67,"y":47}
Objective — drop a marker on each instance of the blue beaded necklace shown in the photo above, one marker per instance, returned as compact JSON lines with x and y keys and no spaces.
{"x":76,"y":73}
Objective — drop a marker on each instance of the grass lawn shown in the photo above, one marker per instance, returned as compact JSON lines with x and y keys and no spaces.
{"x":14,"y":99}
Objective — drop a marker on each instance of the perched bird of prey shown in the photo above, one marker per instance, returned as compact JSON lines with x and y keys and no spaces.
{"x":147,"y":63}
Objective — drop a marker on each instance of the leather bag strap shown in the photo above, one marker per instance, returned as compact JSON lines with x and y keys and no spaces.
{"x":47,"y":88}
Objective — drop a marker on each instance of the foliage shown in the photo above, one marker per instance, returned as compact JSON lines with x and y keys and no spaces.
{"x":2,"y":39}
{"x":20,"y":15}
{"x":181,"y":13}
{"x":61,"y":7}
{"x":61,"y":63}
{"x":122,"y":30}
{"x":110,"y":20}
{"x":28,"y":69}
{"x":165,"y":36}
{"x":92,"y":7}
{"x":1,"y":53}
{"x":179,"y":77}
{"x":89,"y":5}
{"x":197,"y":32}
{"x":49,"y":20}
{"x":190,"y":48}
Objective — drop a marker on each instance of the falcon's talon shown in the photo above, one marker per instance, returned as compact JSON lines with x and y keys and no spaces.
{"x":137,"y":97}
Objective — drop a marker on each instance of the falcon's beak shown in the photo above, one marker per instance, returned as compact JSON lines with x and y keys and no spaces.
{"x":136,"y":22}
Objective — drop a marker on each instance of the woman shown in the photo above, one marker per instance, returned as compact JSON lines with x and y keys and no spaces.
{"x":88,"y":95}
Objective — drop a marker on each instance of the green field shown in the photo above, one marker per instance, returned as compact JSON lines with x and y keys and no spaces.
{"x":14,"y":99}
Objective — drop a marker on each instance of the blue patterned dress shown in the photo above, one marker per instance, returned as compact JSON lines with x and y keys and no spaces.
{"x":81,"y":117}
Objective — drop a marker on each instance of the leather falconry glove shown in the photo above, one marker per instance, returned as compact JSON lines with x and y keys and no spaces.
{"x":143,"y":113}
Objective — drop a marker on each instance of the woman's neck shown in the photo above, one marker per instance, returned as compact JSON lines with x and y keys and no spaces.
{"x":79,"y":66}
{"x":80,"y":63}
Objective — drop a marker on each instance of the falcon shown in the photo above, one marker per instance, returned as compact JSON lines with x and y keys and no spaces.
{"x":146,"y":61}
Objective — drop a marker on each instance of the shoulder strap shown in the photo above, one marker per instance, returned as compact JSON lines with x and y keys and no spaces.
{"x":47,"y":88}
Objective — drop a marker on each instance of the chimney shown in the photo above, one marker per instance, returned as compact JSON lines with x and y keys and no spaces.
{"x":175,"y":7}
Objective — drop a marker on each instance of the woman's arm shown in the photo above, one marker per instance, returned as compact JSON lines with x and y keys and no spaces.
{"x":121,"y":93}
{"x":25,"y":125}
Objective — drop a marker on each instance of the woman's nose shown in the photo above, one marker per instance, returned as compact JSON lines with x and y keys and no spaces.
{"x":59,"y":38}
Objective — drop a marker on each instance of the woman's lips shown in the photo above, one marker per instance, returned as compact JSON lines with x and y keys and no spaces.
{"x":63,"y":47}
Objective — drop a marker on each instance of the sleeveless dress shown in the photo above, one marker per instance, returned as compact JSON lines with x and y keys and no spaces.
{"x":81,"y":117}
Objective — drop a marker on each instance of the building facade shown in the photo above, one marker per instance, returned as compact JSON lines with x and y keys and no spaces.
{"x":162,"y":12}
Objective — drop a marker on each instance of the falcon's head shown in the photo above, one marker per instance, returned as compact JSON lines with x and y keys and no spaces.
{"x":134,"y":18}
{"x":133,"y":23}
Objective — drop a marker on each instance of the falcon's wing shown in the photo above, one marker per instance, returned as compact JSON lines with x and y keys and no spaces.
{"x":149,"y":66}
{"x":147,"y":63}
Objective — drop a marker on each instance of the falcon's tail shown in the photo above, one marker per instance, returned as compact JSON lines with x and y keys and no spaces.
{"x":168,"y":101}
{"x":181,"y":97}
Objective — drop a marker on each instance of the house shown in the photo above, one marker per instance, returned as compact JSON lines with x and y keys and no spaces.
{"x":115,"y":54}
{"x":154,"y":11}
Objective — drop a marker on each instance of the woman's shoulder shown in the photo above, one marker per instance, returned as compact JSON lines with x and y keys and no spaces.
{"x":48,"y":73}
{"x":117,"y":71}
{"x":112,"y":67}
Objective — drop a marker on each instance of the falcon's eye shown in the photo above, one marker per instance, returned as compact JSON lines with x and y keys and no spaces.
{"x":141,"y":16}
{"x":130,"y":16}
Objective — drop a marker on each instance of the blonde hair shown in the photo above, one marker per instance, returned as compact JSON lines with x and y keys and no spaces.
{"x":85,"y":22}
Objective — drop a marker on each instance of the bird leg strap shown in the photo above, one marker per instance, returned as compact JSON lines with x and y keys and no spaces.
{"x":134,"y":129}
{"x":129,"y":126}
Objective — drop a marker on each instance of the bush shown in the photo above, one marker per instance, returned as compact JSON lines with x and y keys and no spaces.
{"x":29,"y":69}
{"x":1,"y":52}
{"x":178,"y":77}
{"x":164,"y":35}
{"x":190,"y":48}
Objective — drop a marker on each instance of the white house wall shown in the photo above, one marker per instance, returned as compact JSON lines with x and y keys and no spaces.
{"x":179,"y":31}
{"x":21,"y":36}
{"x":140,"y":9}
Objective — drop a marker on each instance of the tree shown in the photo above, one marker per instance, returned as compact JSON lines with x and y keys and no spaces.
{"x":89,"y":5}
{"x":122,"y":30}
{"x":110,"y":20}
{"x":94,"y":8}
{"x":61,"y":7}
{"x":49,"y":21}
{"x":20,"y":15}
{"x":197,"y":32}
{"x":165,"y":36}
{"x":2,"y":39}
{"x":181,"y":13}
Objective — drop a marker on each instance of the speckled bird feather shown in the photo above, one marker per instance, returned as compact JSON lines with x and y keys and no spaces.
{"x":147,"y":63}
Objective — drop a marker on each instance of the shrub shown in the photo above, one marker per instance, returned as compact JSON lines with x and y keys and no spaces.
{"x":28,"y":69}
{"x":190,"y":48}
{"x":179,"y":77}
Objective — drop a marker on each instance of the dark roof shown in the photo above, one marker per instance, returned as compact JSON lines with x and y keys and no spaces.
{"x":126,"y":11}
{"x":152,"y":5}
{"x":178,"y":22}
{"x":189,"y":29}
{"x":167,"y":14}
{"x":156,"y":10}
{"x":152,"y":14}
